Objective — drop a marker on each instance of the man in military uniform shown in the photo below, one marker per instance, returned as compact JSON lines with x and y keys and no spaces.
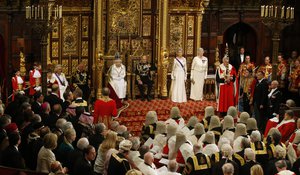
{"x":197,"y":164}
{"x":144,"y":72}
{"x":118,"y":163}
{"x":80,"y":79}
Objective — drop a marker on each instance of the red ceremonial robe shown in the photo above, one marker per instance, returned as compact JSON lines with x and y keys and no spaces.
{"x":286,"y":128}
{"x":33,"y":81}
{"x":226,"y":92}
{"x":273,"y":122}
{"x":113,"y":95}
{"x":15,"y":85}
{"x":104,"y":109}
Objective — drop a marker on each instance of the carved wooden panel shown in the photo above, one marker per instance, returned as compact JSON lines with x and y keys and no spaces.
{"x":85,"y":26}
{"x":74,"y":64}
{"x":177,"y":25}
{"x":65,"y":66}
{"x":70,"y":35}
{"x":85,"y":49}
{"x":184,"y":3}
{"x":191,"y":26}
{"x":190,"y":47}
{"x":124,"y":16}
{"x":54,"y":49}
{"x":146,"y":25}
{"x":147,"y":4}
{"x":55,"y":32}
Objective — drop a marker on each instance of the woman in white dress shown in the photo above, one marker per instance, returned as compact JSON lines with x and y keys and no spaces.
{"x":178,"y":76}
{"x":198,"y":74}
{"x":117,"y":73}
{"x":61,"y":80}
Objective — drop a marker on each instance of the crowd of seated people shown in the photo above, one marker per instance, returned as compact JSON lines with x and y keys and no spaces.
{"x":52,"y":136}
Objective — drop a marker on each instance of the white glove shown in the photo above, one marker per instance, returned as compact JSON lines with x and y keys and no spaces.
{"x":22,"y":92}
{"x":38,"y":88}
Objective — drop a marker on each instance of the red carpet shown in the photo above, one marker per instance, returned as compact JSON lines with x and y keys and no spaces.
{"x":134,"y":116}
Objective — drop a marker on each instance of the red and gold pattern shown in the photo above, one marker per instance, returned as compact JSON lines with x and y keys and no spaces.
{"x":134,"y":116}
{"x":294,"y":80}
{"x":244,"y":66}
{"x":281,"y":73}
{"x":267,"y":69}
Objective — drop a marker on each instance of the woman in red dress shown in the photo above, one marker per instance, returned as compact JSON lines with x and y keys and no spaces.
{"x":105,"y":108}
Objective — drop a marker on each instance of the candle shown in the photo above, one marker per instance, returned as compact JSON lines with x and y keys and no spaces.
{"x":262,"y":11}
{"x":42,"y":12}
{"x":292,"y":13}
{"x":272,"y":11}
{"x":60,"y":11}
{"x":282,"y":12}
{"x":267,"y":11}
{"x":275,"y":14}
{"x":38,"y":11}
{"x":288,"y":12}
{"x":49,"y":12}
{"x":35,"y":12}
{"x":32,"y":11}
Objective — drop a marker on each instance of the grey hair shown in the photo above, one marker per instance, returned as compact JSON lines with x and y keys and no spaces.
{"x":66,"y":126}
{"x":255,"y":136}
{"x":228,"y":168}
{"x":250,"y":154}
{"x":60,"y":123}
{"x":225,"y":58}
{"x":135,"y":143}
{"x":82,"y":143}
{"x":200,"y":49}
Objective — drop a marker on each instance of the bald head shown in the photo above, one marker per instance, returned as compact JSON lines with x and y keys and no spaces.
{"x":55,"y":88}
{"x":173,"y":166}
{"x":105,"y":91}
{"x":274,"y":84}
{"x":148,"y":158}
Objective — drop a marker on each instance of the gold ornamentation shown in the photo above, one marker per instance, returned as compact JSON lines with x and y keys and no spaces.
{"x":85,"y":26}
{"x":190,"y":47}
{"x":54,"y":49}
{"x":65,"y":66}
{"x":147,"y":44}
{"x":54,"y":61}
{"x":165,"y":64}
{"x":191,"y":25}
{"x":176,"y":32}
{"x":55,"y":32}
{"x":70,"y":31}
{"x":74,"y":65}
{"x":137,"y":47}
{"x":113,"y":46}
{"x":147,"y":4}
{"x":184,"y":3}
{"x":217,"y":58}
{"x":146,"y":25}
{"x":124,"y":16}
{"x":124,"y":45}
{"x":85,"y":48}
{"x":22,"y":64}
